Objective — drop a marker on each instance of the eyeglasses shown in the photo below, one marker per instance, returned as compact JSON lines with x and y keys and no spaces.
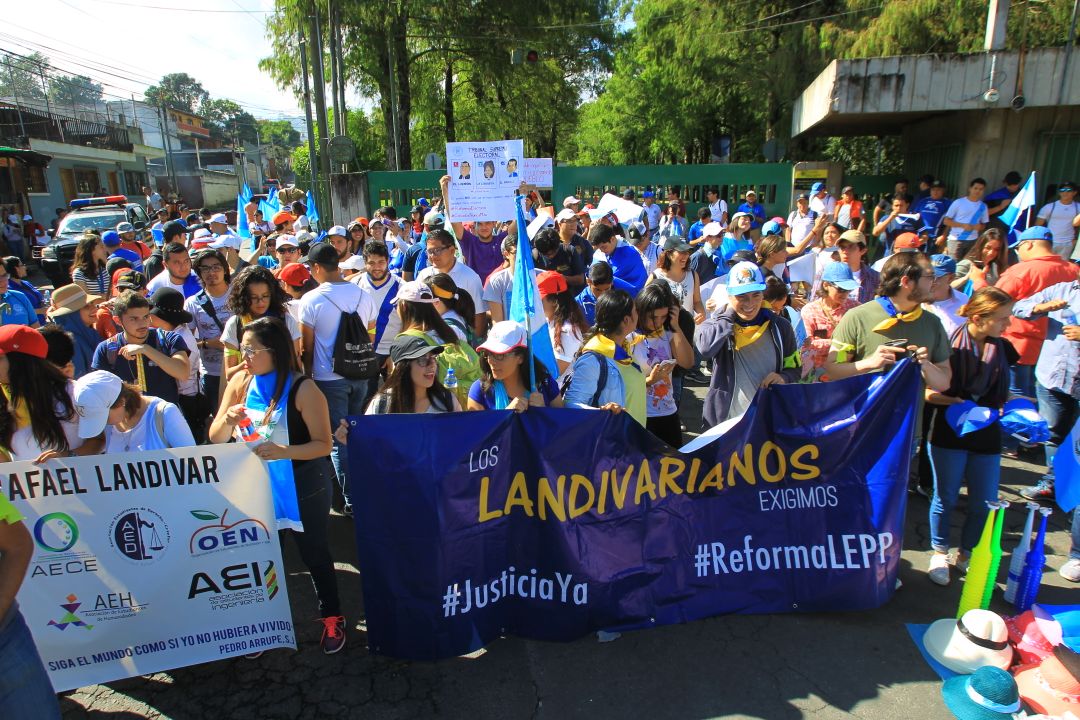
{"x":426,"y":361}
{"x":249,"y":352}
{"x":289,"y":250}
{"x":437,"y":251}
{"x":211,"y":268}
{"x":259,"y":298}
{"x":494,"y":357}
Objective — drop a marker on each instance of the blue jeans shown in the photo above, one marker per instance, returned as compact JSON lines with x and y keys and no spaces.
{"x":1060,"y":410}
{"x":344,"y":398}
{"x":1022,"y":380}
{"x":951,"y":468}
{"x":1074,"y":550}
{"x":25,"y":690}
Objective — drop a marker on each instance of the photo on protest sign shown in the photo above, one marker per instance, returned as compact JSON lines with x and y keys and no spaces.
{"x":145,"y":562}
{"x":484,"y":177}
{"x":554,"y":523}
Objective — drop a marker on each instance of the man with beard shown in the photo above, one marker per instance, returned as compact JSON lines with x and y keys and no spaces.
{"x":381,"y":286}
{"x":859,"y":341}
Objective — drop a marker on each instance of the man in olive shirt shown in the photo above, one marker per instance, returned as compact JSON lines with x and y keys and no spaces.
{"x":858,"y":343}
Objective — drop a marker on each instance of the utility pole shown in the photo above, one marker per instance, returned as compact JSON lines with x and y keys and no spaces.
{"x":15,"y":92}
{"x":307,"y":111}
{"x":170,"y":163}
{"x":318,"y":80}
{"x":340,"y":101}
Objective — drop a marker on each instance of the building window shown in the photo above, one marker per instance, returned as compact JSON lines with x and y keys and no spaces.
{"x":35,"y":179}
{"x":86,"y":180}
{"x":135,"y":181}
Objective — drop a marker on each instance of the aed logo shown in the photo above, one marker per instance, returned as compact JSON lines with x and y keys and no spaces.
{"x":236,"y":578}
{"x":223,"y":535}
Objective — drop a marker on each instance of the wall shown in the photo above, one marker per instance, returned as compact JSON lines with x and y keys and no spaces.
{"x":219,"y":190}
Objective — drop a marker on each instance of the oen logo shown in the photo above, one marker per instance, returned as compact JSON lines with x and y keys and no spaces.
{"x":222,"y":535}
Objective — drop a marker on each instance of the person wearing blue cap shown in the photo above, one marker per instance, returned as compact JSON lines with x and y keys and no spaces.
{"x":112,"y":242}
{"x":1039,"y":268}
{"x":979,"y":366}
{"x":748,"y":345}
{"x":650,"y":211}
{"x":822,"y":202}
{"x":823,"y":314}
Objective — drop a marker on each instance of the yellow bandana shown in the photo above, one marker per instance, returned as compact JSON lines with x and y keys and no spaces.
{"x":895,"y":316}
{"x":749,"y":334}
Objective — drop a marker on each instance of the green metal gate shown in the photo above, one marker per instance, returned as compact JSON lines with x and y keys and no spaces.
{"x":1056,"y":161}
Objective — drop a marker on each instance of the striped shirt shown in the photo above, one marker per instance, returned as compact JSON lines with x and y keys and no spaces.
{"x":99,"y":285}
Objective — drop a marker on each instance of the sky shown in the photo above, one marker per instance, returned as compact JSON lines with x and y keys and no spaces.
{"x":130,"y":44}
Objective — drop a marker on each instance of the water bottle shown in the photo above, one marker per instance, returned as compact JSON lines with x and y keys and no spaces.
{"x":451,"y":380}
{"x":248,"y":433}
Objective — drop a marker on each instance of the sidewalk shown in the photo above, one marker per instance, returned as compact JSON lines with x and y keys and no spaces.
{"x":774,"y":667}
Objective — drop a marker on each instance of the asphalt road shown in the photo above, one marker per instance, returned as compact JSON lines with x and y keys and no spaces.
{"x":775,"y":667}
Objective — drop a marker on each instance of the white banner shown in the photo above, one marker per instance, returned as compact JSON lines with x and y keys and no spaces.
{"x":145,"y":562}
{"x":484,"y":177}
{"x":538,"y":172}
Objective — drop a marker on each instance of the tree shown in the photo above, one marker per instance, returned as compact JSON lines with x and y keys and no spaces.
{"x":20,"y":77}
{"x":278,"y":132}
{"x":74,"y":90}
{"x":177,"y":90}
{"x":228,"y":119}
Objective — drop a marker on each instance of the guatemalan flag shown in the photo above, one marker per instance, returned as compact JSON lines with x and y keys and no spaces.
{"x":242,"y":228}
{"x":1019,"y":205}
{"x":312,"y":211}
{"x":525,"y":306}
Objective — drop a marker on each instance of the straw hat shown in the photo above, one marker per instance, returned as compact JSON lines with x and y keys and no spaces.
{"x":70,"y":299}
{"x":1052,"y":688}
{"x":977,"y":639}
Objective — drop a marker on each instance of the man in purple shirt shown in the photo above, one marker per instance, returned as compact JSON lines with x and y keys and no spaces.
{"x":481,"y":248}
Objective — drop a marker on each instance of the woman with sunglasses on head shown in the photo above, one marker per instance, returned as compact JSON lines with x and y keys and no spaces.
{"x":413,"y":385}
{"x":290,"y":415}
{"x":255,"y":293}
{"x":507,"y":377}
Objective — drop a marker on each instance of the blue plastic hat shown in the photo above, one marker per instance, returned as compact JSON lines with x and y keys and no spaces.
{"x":989,"y":693}
{"x":1035,"y":232}
{"x":967,"y":417}
{"x":771,"y":228}
{"x":840,"y":275}
{"x":1021,"y":419}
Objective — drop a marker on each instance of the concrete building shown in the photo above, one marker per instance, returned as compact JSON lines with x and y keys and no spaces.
{"x":960,"y":116}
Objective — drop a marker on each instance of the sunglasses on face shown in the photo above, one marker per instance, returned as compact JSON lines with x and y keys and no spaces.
{"x":250,"y":352}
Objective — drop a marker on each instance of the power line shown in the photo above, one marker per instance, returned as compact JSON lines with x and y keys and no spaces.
{"x":182,"y":9}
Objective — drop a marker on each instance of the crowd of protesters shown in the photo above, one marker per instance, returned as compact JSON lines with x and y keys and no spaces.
{"x":186,"y":340}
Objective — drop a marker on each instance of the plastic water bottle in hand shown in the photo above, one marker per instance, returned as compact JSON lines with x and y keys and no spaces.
{"x":450,"y":382}
{"x":247,"y":431}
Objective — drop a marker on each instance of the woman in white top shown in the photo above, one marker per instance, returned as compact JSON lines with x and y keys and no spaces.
{"x":37,"y":414}
{"x":566,"y":321}
{"x":413,"y":385}
{"x":132,"y":422}
{"x":683,"y":282}
{"x":255,"y":293}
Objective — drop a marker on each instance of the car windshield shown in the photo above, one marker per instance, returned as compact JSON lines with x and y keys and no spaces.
{"x":76,"y":223}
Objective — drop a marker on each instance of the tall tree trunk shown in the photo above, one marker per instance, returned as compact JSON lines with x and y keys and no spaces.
{"x":448,"y":101}
{"x":404,"y":92}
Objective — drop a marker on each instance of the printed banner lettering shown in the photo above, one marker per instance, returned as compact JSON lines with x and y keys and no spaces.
{"x":484,"y":177}
{"x":553,"y":523}
{"x":149,"y":561}
{"x":538,"y":172}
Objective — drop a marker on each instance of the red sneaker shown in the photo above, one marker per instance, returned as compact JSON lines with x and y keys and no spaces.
{"x":333,"y":637}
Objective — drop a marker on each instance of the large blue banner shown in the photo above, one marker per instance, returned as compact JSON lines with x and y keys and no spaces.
{"x":554,"y":523}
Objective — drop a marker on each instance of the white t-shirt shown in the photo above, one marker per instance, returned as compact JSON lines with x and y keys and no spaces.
{"x":718,"y":210}
{"x":823,"y":206}
{"x":144,"y":436}
{"x":465,"y":278}
{"x":189,"y":387}
{"x":801,"y":225}
{"x":571,"y":341}
{"x":456,"y":325}
{"x":968,"y":212}
{"x":230,"y":336}
{"x":321,"y":311}
{"x":162,"y":280}
{"x":1058,"y":218}
{"x":24,"y":446}
{"x":652,"y":215}
{"x":660,"y":397}
{"x":210,"y":359}
{"x":378,"y":297}
{"x":946,"y":310}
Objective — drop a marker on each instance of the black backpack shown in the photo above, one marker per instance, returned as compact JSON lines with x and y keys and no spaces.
{"x":601,"y":380}
{"x":354,"y":355}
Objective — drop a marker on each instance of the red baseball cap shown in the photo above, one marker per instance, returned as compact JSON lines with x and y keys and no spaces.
{"x":22,"y":339}
{"x":294,"y":274}
{"x":906,"y":241}
{"x":551,"y":283}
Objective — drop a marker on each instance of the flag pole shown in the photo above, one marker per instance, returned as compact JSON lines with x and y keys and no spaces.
{"x":526,"y":290}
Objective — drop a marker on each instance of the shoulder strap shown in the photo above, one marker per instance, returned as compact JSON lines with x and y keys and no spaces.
{"x":159,"y":419}
{"x":208,"y":307}
{"x":601,"y":380}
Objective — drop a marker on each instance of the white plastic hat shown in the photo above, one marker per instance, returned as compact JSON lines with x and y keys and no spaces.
{"x":95,"y":394}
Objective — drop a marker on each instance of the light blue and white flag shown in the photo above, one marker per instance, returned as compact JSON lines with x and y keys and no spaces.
{"x":525,"y":305}
{"x":1019,"y":205}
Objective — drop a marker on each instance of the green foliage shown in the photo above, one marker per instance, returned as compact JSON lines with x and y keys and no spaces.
{"x":21,"y":77}
{"x":74,"y":90}
{"x":228,"y":119}
{"x":178,"y":90}
{"x":278,"y":132}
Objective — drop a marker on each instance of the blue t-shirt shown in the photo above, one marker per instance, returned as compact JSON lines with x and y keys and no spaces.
{"x":626,"y":264}
{"x":547,"y":387}
{"x":931,"y":211}
{"x":32,"y":293}
{"x":757,"y":211}
{"x":19,"y":311}
{"x":729,"y":246}
{"x":268,"y":262}
{"x":587,"y":300}
{"x":695,"y":230}
{"x":131,"y":256}
{"x":158,"y":382}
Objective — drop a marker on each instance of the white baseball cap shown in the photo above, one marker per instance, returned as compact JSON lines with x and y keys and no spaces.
{"x":27,"y":218}
{"x":504,"y":336}
{"x":95,"y":394}
{"x":570,"y":200}
{"x":566,"y":214}
{"x":338,"y":230}
{"x":219,"y":218}
{"x":353,"y":262}
{"x":712,"y":229}
{"x":201,"y":234}
{"x":285,"y":241}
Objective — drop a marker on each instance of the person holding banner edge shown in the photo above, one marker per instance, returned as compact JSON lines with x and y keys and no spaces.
{"x":504,"y":362}
{"x":293,"y":423}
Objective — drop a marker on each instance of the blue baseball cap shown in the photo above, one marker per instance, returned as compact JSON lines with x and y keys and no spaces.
{"x":771,"y":228}
{"x":943,"y":265}
{"x":424,"y":201}
{"x":1036,"y":232}
{"x":111,"y":238}
{"x":817,"y":187}
{"x":745,"y":277}
{"x":648,"y":193}
{"x":840,"y":275}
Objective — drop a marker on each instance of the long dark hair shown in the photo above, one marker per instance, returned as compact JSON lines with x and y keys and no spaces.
{"x":44,"y":389}
{"x":459,"y":301}
{"x":488,"y":380}
{"x":238,"y":301}
{"x":611,"y":309}
{"x":567,"y":311}
{"x":424,"y":316}
{"x":654,"y":296}
{"x":401,"y":392}
{"x":84,"y":255}
{"x":975,"y":253}
{"x":273,"y":335}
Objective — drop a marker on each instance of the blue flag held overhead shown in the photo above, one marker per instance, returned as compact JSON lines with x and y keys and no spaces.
{"x":525,"y":306}
{"x":1020,"y":204}
{"x":246,"y":193}
{"x":242,"y":228}
{"x":312,"y":211}
{"x":270,"y":207}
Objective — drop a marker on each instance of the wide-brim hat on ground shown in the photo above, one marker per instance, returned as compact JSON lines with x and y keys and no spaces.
{"x":976,"y":640}
{"x":989,"y":693}
{"x":1052,"y":687}
{"x":1027,"y":638}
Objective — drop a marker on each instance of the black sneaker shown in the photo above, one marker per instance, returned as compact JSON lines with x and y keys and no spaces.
{"x":333,"y":637}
